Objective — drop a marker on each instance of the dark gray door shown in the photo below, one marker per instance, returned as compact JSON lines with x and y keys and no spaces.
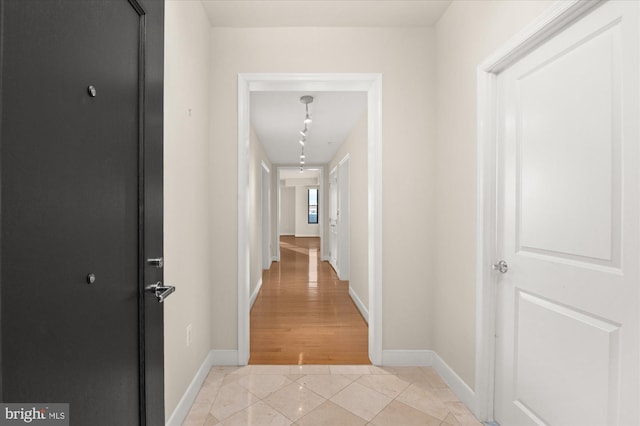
{"x":78,"y":166}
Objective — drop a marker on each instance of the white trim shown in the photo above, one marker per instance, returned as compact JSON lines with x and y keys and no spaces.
{"x":359,"y":304}
{"x":188,"y":398}
{"x":254,"y":295}
{"x":370,"y":83}
{"x":455,"y":383}
{"x":243,"y":219}
{"x":307,"y":236}
{"x":407,"y":358}
{"x":559,"y":16}
{"x":426,"y":358}
{"x":265,"y":167}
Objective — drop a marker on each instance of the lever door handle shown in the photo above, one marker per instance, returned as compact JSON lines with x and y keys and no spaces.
{"x":160,"y":291}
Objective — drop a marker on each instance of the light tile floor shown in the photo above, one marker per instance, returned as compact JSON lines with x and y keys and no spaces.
{"x":329,"y":395}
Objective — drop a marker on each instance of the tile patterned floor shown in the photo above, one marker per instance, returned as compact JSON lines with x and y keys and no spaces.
{"x":328,"y":395}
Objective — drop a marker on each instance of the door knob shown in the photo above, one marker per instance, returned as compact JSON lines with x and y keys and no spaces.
{"x":160,"y":291}
{"x":501,"y":267}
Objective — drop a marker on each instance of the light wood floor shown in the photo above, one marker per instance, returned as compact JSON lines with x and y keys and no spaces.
{"x":303,"y":314}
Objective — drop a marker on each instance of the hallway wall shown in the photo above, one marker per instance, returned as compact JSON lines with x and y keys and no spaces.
{"x":257,"y":156}
{"x":186,"y":195}
{"x":467,"y":33}
{"x":356,"y":146}
{"x":406,"y":58}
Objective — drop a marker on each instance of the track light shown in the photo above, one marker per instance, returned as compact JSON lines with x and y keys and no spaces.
{"x":306,"y":100}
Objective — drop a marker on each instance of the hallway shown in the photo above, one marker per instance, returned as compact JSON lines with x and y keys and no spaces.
{"x":303,"y":313}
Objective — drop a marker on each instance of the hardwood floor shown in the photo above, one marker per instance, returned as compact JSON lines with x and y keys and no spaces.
{"x":303,"y":314}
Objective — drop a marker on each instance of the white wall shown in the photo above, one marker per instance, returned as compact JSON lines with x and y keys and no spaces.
{"x":257,"y":156}
{"x":303,"y":227}
{"x":406,"y":59}
{"x":468,"y":32}
{"x":356,"y":146}
{"x":186,"y":194}
{"x":287,"y":210}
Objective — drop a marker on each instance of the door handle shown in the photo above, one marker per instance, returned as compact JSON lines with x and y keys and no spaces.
{"x":501,"y":267}
{"x":158,"y":262}
{"x":160,"y":291}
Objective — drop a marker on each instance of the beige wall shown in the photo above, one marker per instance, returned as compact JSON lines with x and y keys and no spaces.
{"x":468,"y":32}
{"x":287,"y":210}
{"x":406,"y":59}
{"x":257,"y":156}
{"x":186,"y":195}
{"x":356,"y":147}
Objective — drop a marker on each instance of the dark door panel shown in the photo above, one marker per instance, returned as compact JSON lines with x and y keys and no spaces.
{"x":73,"y":81}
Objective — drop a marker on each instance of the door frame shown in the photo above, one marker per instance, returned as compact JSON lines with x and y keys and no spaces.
{"x":321,"y":227}
{"x":265,"y":201}
{"x":557,"y":18}
{"x":344,"y":259}
{"x":372,"y":85}
{"x":332,"y":258}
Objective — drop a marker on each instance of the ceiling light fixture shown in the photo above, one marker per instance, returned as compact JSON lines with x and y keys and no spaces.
{"x":306,"y":100}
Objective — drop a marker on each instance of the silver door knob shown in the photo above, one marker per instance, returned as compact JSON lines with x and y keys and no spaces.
{"x":501,"y":267}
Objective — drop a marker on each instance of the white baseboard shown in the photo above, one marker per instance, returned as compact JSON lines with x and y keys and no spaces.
{"x":275,"y":259}
{"x":426,"y":358}
{"x":254,"y":295}
{"x":457,"y":385}
{"x":325,"y":258}
{"x":407,"y":358}
{"x":363,"y":310}
{"x":306,"y":235}
{"x":214,"y":357}
{"x":184,"y":405}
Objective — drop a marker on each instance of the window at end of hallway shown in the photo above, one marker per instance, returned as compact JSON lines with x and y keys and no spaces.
{"x":313,"y":206}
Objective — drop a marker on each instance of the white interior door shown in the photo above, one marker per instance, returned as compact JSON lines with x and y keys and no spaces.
{"x":333,"y":218}
{"x":568,"y":227}
{"x":343,"y":219}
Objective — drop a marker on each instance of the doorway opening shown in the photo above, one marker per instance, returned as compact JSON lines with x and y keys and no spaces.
{"x":371,"y":84}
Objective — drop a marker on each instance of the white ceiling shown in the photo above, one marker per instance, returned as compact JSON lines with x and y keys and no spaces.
{"x":324,"y":13}
{"x":277,"y":118}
